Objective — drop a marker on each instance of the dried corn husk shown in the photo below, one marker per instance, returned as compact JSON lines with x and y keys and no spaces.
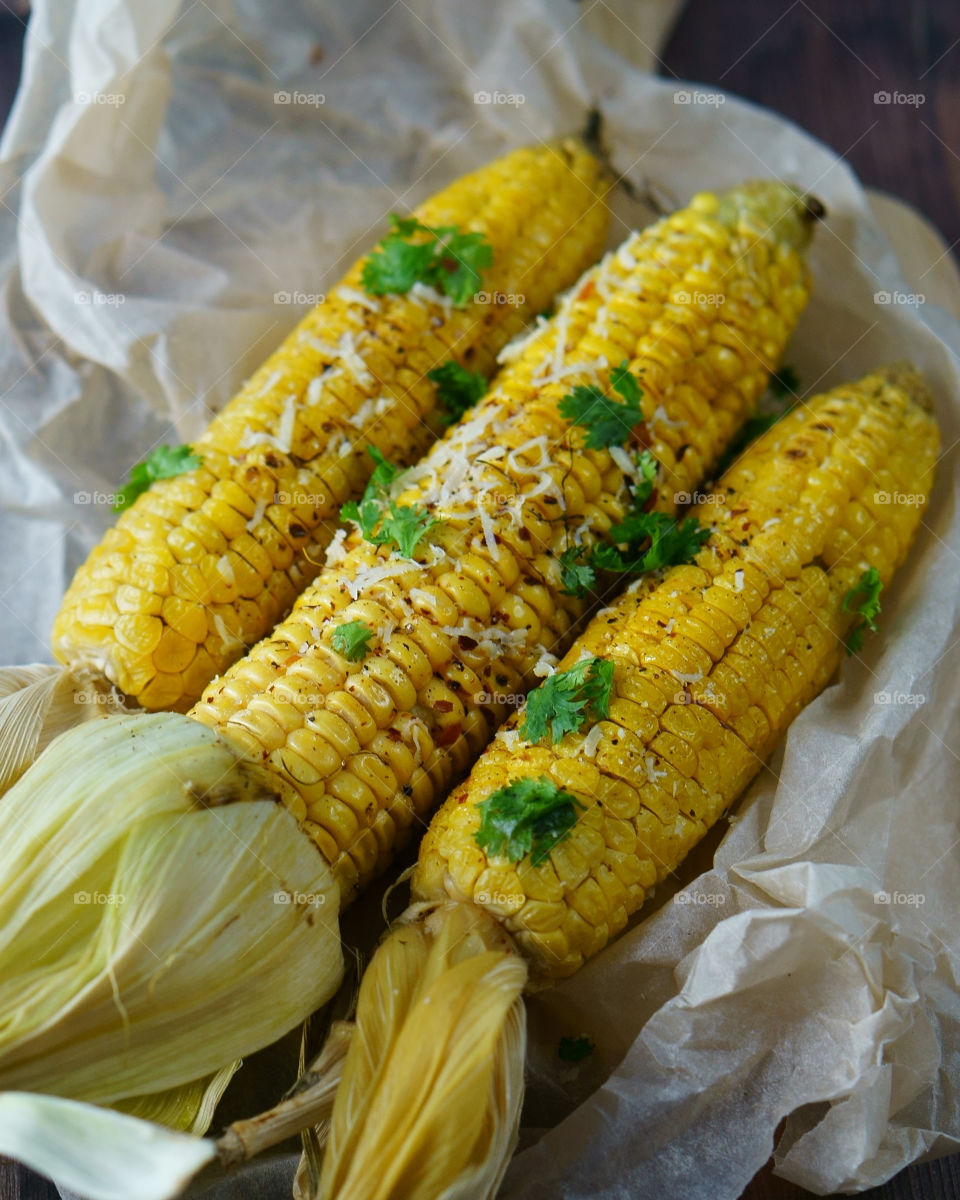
{"x":181,"y":895}
{"x":440,"y":1020}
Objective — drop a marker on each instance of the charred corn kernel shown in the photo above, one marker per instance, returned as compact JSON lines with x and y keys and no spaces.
{"x":480,"y":603}
{"x":252,"y":521}
{"x":756,"y":629}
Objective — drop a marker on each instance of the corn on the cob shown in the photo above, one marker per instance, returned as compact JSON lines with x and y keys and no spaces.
{"x":710,"y":664}
{"x":364,"y":748}
{"x":356,"y":745}
{"x":205,"y":563}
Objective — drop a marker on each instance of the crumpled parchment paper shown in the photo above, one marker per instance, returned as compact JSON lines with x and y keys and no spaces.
{"x":178,"y":179}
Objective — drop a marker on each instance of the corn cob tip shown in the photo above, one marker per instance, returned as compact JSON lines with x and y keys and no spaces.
{"x":906,"y":376}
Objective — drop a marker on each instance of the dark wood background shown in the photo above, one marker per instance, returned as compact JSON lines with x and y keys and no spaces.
{"x":820,"y":63}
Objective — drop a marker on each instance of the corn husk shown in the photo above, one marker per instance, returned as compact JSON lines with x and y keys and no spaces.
{"x":98,"y":1153}
{"x":189,"y":1108}
{"x":37,"y":703}
{"x":185,"y":919}
{"x":440,"y":1020}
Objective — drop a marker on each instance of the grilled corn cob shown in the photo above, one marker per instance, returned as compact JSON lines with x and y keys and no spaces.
{"x":708,"y":667}
{"x":205,"y":563}
{"x":396,"y":665}
{"x":365,"y":748}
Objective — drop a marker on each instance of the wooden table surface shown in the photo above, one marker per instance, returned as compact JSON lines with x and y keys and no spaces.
{"x":821,"y":63}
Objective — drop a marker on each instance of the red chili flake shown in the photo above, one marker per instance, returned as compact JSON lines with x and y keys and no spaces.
{"x":448,"y":736}
{"x":467,"y":643}
{"x":443,"y":706}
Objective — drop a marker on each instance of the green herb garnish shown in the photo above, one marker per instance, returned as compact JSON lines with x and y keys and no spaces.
{"x":352,"y":640}
{"x":528,"y":816}
{"x":563,"y":702}
{"x":575,"y":1049}
{"x":607,"y":421}
{"x":457,"y":388}
{"x":651,"y":540}
{"x":443,"y":258}
{"x":868,"y":588}
{"x":381,"y":522}
{"x":164,"y":462}
{"x":577,"y":577}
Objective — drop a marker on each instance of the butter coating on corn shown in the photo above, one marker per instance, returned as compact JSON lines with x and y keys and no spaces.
{"x":205,"y":563}
{"x":365,"y":748}
{"x":712,"y":663}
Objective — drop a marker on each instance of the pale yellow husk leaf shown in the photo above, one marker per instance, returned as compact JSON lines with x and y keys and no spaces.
{"x":161,"y":914}
{"x":37,"y":703}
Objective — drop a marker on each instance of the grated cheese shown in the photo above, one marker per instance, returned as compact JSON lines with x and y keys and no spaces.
{"x":368,"y":577}
{"x":738,"y":578}
{"x":259,"y":510}
{"x":515,"y":348}
{"x":352,"y":296}
{"x":269,"y":383}
{"x":591,"y":742}
{"x":652,"y":773}
{"x":336,"y":552}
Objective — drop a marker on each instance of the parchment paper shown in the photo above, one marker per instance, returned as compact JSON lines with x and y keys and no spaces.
{"x":161,"y":198}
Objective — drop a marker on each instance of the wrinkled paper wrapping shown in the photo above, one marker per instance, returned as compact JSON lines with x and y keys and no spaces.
{"x":167,"y":200}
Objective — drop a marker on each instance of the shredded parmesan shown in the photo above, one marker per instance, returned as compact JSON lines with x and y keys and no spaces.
{"x":514,"y":349}
{"x":259,"y":510}
{"x":367,"y":577}
{"x":421,"y":293}
{"x":680,"y":677}
{"x":225,"y":567}
{"x":591,"y":742}
{"x":652,"y":773}
{"x":546,"y":665}
{"x":335,"y":551}
{"x":352,"y":296}
{"x":346,"y":353}
{"x":314,"y":390}
{"x":510,"y":738}
{"x":269,"y":383}
{"x":660,"y":418}
{"x":373,"y":407}
{"x":287,"y":422}
{"x":738,"y":581}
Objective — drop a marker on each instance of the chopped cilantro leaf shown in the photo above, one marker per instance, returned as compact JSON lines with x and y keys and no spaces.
{"x":351,"y":640}
{"x":380,"y":523}
{"x":528,"y":816}
{"x":163,"y":462}
{"x":648,"y":466}
{"x":443,"y":258}
{"x":405,"y":525}
{"x":563,"y":702}
{"x":575,"y":1049}
{"x":868,"y":587}
{"x":457,"y":388}
{"x":577,"y":577}
{"x":607,"y":421}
